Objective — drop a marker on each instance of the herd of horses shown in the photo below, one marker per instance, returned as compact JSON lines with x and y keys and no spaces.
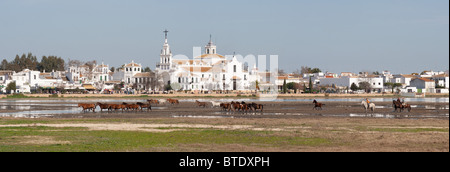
{"x":139,"y":106}
{"x":232,"y":106}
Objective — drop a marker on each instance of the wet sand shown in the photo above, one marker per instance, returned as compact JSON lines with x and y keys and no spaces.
{"x":419,"y":110}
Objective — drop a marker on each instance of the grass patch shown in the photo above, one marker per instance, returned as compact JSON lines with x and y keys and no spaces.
{"x":83,"y":140}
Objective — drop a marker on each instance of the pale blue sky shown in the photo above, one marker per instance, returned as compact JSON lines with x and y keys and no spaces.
{"x":402,"y":36}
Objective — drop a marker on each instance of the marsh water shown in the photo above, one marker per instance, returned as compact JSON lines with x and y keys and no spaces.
{"x":37,"y":108}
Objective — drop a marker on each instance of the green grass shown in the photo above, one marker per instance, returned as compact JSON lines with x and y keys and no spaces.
{"x":83,"y":140}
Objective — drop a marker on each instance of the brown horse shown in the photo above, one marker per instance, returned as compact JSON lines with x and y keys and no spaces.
{"x":317,"y":105}
{"x":103,"y":106}
{"x":256,"y":106}
{"x":133,"y":107}
{"x":226,"y":106}
{"x":400,"y":106}
{"x":116,"y":107}
{"x":235,"y":105}
{"x":200,"y":104}
{"x":151,"y":101}
{"x":173,"y":101}
{"x":87,"y":107}
{"x":145,"y":105}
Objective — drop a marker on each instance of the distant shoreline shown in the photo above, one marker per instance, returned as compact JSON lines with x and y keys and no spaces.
{"x":212,"y":96}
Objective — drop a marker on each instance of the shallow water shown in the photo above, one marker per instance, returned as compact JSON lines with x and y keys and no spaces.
{"x":24,"y":107}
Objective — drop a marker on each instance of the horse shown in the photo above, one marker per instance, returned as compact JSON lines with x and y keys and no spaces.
{"x":162,"y":101}
{"x":200,"y":104}
{"x":151,"y":101}
{"x":399,"y":105}
{"x":368,"y":106}
{"x":133,"y":107}
{"x":173,"y":101}
{"x":235,"y":105}
{"x":256,"y":106}
{"x":87,"y":106}
{"x":215,"y":104}
{"x":317,"y":105}
{"x":116,"y":107}
{"x":103,"y":106}
{"x":145,"y":105}
{"x":226,"y":106}
{"x":244,"y":107}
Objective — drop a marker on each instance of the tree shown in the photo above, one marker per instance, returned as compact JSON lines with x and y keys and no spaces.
{"x":11,"y":87}
{"x":354,"y":87}
{"x":4,"y":65}
{"x":365,"y":86}
{"x":147,"y":69}
{"x":51,"y":63}
{"x":393,"y":85}
{"x":396,"y":85}
{"x":284,"y":87}
{"x":310,"y":85}
{"x":315,"y":70}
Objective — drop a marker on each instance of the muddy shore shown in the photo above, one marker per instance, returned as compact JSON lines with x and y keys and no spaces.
{"x":282,"y":126}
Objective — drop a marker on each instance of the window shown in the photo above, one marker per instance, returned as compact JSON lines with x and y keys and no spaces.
{"x":207,"y":51}
{"x":1,"y":78}
{"x":223,"y":76}
{"x":234,"y":68}
{"x":245,"y":77}
{"x":179,"y":80}
{"x":101,"y":78}
{"x":34,"y":76}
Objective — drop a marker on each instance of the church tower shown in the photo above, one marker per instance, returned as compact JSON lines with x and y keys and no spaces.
{"x":210,"y":48}
{"x":166,"y":56}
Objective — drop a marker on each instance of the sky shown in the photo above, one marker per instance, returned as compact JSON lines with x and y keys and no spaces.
{"x":402,"y":36}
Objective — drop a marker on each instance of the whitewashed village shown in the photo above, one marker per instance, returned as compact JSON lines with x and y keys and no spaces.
{"x":213,"y":73}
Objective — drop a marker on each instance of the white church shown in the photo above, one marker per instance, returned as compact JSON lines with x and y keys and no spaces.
{"x":209,"y":71}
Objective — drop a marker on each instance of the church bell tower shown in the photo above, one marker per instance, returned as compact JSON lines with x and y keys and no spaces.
{"x":166,"y":55}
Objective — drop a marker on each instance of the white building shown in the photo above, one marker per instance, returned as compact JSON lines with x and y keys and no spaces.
{"x":402,"y":79}
{"x":376,"y":83}
{"x":441,"y":80}
{"x":210,"y":71}
{"x":423,"y":85}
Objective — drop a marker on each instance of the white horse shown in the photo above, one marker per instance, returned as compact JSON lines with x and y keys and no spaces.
{"x":368,"y":106}
{"x":215,"y":104}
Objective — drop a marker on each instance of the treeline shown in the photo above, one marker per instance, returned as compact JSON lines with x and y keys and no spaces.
{"x":29,"y":61}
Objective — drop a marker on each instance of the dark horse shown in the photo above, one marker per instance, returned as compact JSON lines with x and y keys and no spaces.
{"x":400,"y":106}
{"x":317,"y":105}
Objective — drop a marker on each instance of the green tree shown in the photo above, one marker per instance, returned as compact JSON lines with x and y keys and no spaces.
{"x":11,"y":87}
{"x":284,"y":87}
{"x":315,"y":70}
{"x":291,"y":85}
{"x":4,"y":65}
{"x":51,"y":63}
{"x":147,"y":69}
{"x":310,"y":85}
{"x":354,"y":87}
{"x":365,"y":86}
